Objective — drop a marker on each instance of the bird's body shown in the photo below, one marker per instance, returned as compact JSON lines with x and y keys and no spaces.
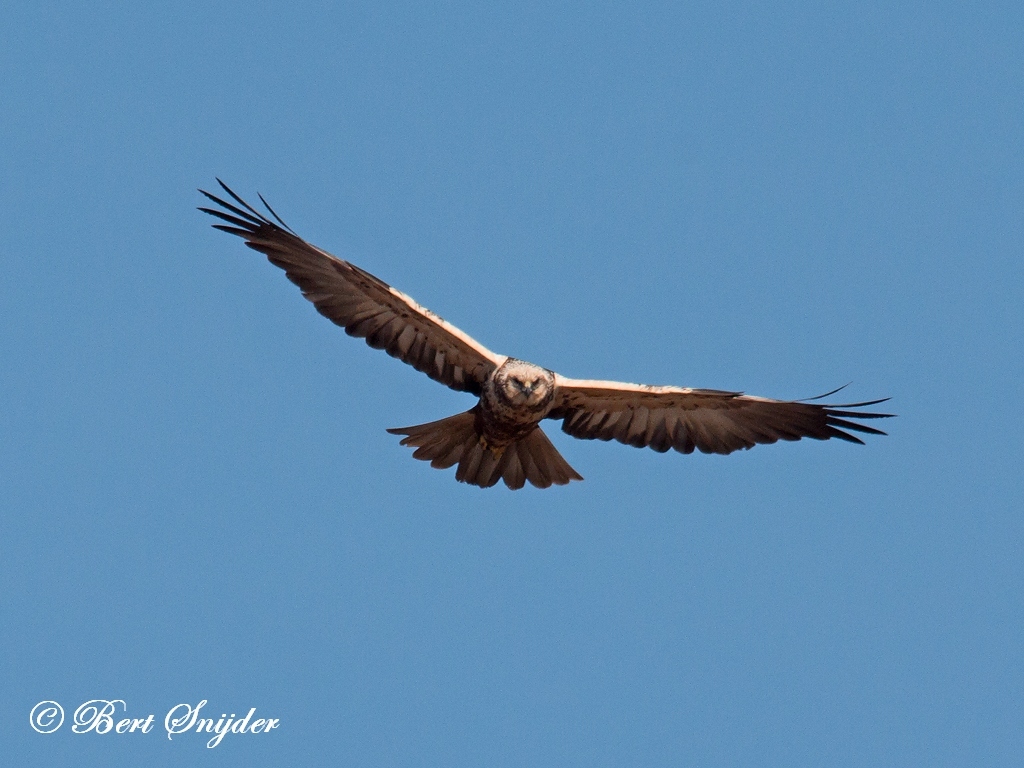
{"x":500,"y":437}
{"x":515,"y":398}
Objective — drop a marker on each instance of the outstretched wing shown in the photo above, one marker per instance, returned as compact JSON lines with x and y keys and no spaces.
{"x":704,"y":419}
{"x":359,"y":302}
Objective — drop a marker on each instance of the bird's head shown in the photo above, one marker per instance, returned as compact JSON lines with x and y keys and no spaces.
{"x":524,"y":384}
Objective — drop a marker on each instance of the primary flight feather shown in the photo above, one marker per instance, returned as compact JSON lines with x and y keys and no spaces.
{"x":499,"y":438}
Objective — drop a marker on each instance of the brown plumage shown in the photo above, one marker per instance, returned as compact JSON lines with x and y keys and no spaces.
{"x":457,"y":440}
{"x":500,"y":438}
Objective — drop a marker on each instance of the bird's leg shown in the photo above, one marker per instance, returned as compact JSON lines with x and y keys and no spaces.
{"x":496,"y":450}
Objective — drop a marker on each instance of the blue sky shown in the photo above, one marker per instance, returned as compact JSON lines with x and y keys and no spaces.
{"x":198,"y":497}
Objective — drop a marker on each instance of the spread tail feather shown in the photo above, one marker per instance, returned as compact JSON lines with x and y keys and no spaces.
{"x":455,"y":440}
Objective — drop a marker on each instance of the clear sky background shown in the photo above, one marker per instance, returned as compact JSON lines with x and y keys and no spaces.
{"x":197,"y":495}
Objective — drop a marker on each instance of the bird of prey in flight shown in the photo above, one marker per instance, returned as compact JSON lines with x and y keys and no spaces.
{"x":500,"y":437}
